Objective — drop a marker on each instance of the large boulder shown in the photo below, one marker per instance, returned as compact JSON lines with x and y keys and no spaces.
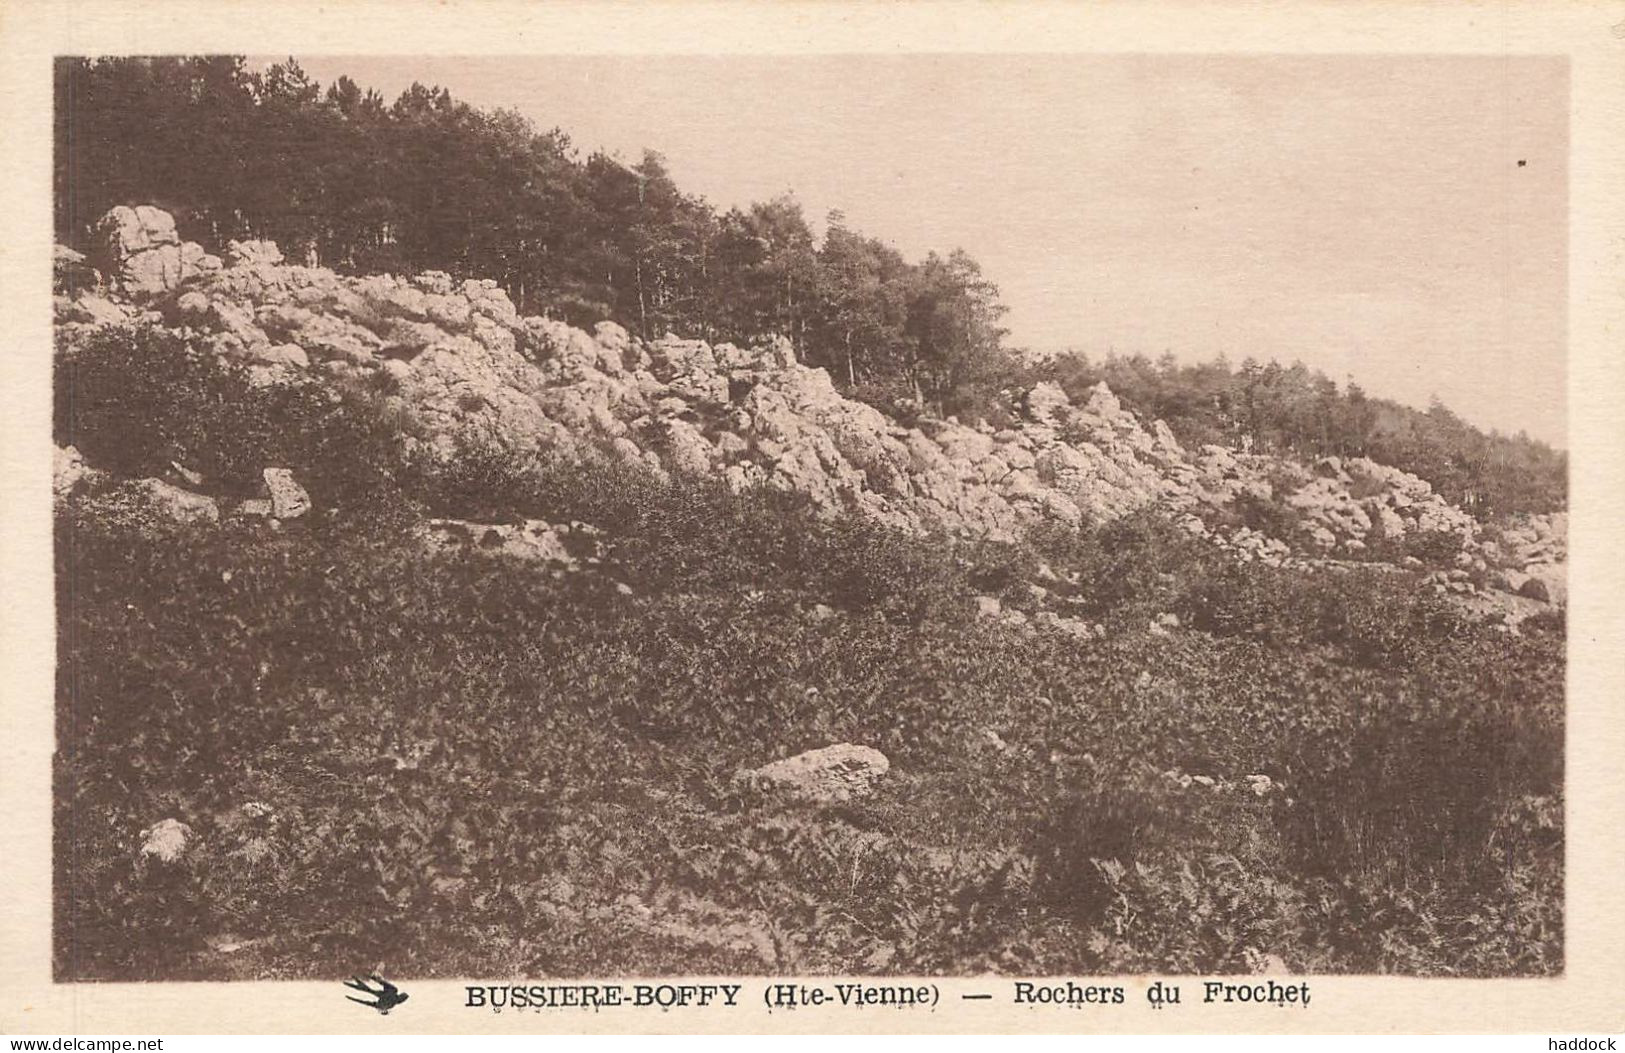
{"x":821,"y":776}
{"x":128,"y":231}
{"x":142,"y":252}
{"x":141,"y":248}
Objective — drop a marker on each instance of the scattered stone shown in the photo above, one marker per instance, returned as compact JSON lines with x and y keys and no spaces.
{"x":69,"y":472}
{"x":94,"y":310}
{"x":291,"y":355}
{"x":1535,"y":589}
{"x":834,"y":773}
{"x":1076,"y":628}
{"x":174,"y":503}
{"x":166,"y":841}
{"x":1014,"y":618}
{"x":1548,"y":583}
{"x":1164,"y":438}
{"x":139,"y":229}
{"x":195,"y":261}
{"x":140,"y":248}
{"x":185,"y":474}
{"x":1509,"y":580}
{"x":1331,"y":468}
{"x":533,"y":540}
{"x":288,"y":499}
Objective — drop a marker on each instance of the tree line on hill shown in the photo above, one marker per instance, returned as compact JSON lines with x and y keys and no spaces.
{"x":340,"y":177}
{"x":1297,"y":411}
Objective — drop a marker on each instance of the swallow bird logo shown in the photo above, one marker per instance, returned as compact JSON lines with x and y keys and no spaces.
{"x":385,"y":995}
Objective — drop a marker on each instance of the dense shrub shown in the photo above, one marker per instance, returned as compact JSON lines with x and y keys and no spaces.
{"x":137,"y":400}
{"x":1265,"y":515}
{"x":1436,"y":548}
{"x":1374,"y":617}
{"x":1089,"y":834}
{"x":687,"y":533}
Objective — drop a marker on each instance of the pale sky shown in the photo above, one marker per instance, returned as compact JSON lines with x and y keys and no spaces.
{"x":1366,"y":215}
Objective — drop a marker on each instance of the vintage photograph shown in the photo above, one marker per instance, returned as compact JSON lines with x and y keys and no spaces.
{"x":835,"y":514}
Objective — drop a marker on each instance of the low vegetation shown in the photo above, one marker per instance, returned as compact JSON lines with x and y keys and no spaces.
{"x":460,"y":765}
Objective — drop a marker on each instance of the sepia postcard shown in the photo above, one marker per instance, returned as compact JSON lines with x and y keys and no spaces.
{"x":833,"y":517}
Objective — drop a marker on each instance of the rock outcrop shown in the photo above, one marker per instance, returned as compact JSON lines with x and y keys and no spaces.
{"x":459,"y":362}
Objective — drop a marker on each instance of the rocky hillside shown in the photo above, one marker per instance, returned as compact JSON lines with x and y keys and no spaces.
{"x":463,"y":367}
{"x":399,"y":631}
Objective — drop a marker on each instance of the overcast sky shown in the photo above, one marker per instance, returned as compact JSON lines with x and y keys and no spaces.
{"x":1367,"y":215}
